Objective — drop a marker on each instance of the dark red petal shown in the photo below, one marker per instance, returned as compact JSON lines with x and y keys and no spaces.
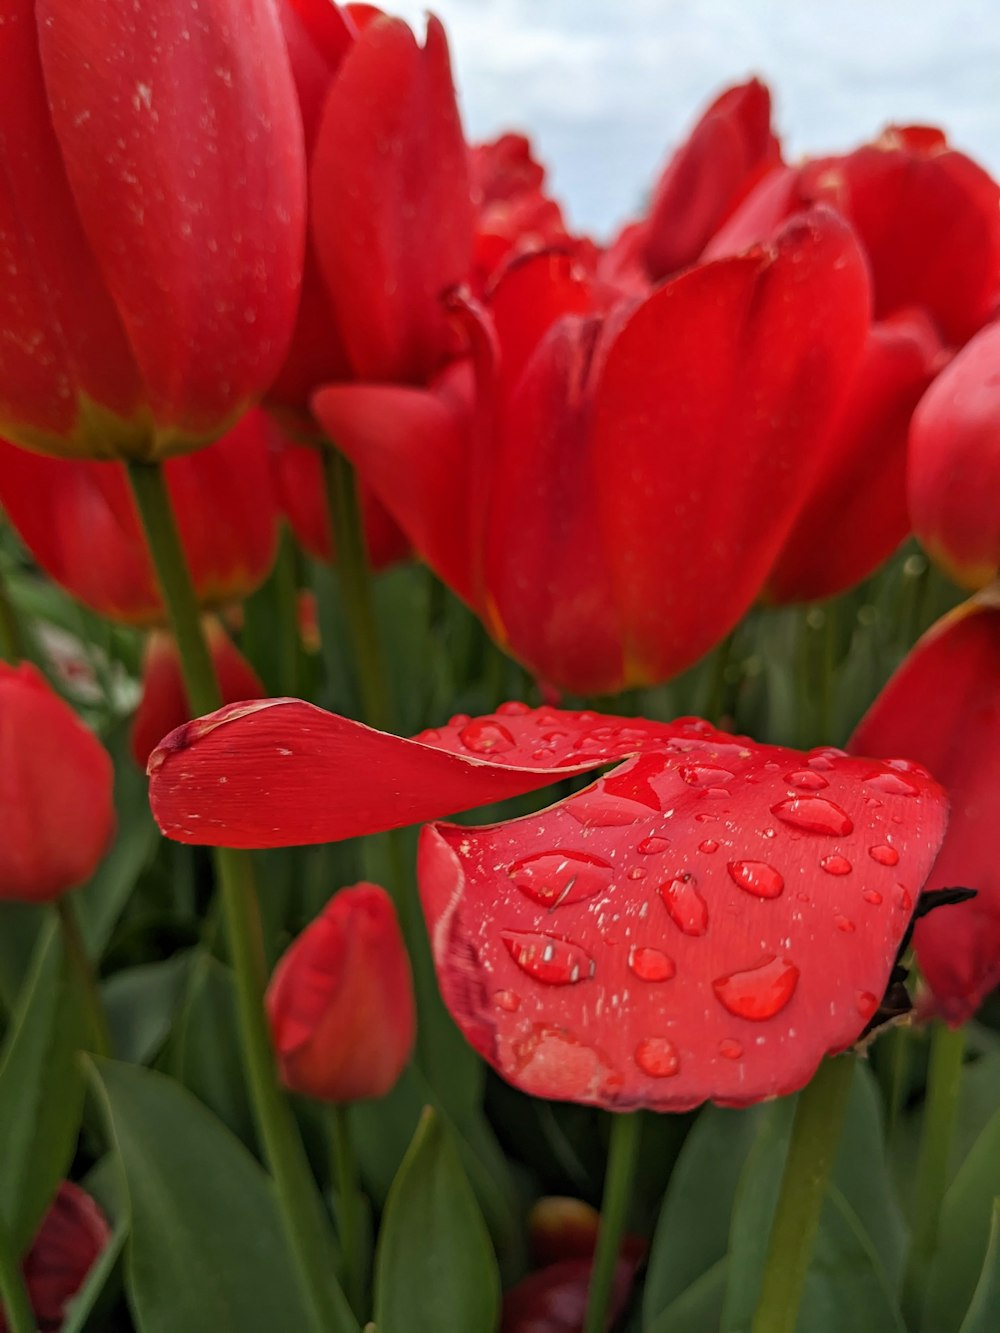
{"x":726,"y":950}
{"x":554,"y":1299}
{"x":710,"y":405}
{"x":73,"y":1233}
{"x":942,"y":708}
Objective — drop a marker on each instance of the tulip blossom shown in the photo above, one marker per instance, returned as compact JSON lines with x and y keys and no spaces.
{"x":708,"y":920}
{"x":56,"y":811}
{"x":151,"y":221}
{"x":341,"y":1001}
{"x":72,"y":1235}
{"x":943,"y":707}
{"x":954,"y":464}
{"x":608,"y":483}
{"x":80,"y":523}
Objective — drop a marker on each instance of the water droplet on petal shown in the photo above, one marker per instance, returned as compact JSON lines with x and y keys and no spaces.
{"x":845,"y":924}
{"x":872,"y":896}
{"x":427,"y":736}
{"x":903,"y":900}
{"x":709,"y":845}
{"x":806,"y":779}
{"x":891,"y":784}
{"x":556,"y":878}
{"x":657,"y":1057}
{"x":485,"y":737}
{"x":507,"y":1000}
{"x":815,"y":814}
{"x":637,"y":872}
{"x":756,"y":877}
{"x":513,"y":708}
{"x":704,"y":775}
{"x":835,"y":865}
{"x":547,"y":958}
{"x":867,"y":1003}
{"x":884,"y":855}
{"x":688,"y":909}
{"x":730,"y":1049}
{"x":760,"y":992}
{"x":651,"y":964}
{"x":459,"y":720}
{"x":649,"y":846}
{"x":907,"y":766}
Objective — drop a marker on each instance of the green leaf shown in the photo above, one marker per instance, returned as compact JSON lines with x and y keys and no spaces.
{"x":140,"y":1003}
{"x":846,"y":1286}
{"x":41,"y":1088}
{"x":983,"y":1314}
{"x":20,"y":924}
{"x":206,"y":1250}
{"x":696,"y":1310}
{"x":434,"y":1267}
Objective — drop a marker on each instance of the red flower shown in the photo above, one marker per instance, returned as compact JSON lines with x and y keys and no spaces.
{"x":151,"y":221}
{"x":341,"y":1001}
{"x":611,"y":493}
{"x":954,"y":464}
{"x":56,"y":812}
{"x":72,"y":1235}
{"x":943,"y":707}
{"x":80,"y":523}
{"x":708,"y":920}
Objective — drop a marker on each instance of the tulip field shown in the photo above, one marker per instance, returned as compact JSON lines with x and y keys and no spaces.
{"x":499,"y":728}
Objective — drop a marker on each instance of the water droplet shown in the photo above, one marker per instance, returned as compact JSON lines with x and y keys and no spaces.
{"x":651,"y":964}
{"x":891,"y":784}
{"x":459,"y":720}
{"x":556,"y":878}
{"x":649,"y":846}
{"x":704,"y":775}
{"x":845,"y":924}
{"x":717,"y":793}
{"x":836,"y":865}
{"x":637,"y":872}
{"x":872,"y":896}
{"x":907,"y":766}
{"x":507,"y":1001}
{"x":730,"y":1049}
{"x":709,"y":845}
{"x":657,"y":1057}
{"x":884,"y":855}
{"x":486,"y":737}
{"x":756,"y":877}
{"x":903,"y":900}
{"x":867,"y":1003}
{"x":688,"y":909}
{"x":704,"y":816}
{"x":547,"y":958}
{"x":758,"y":992}
{"x":806,"y":779}
{"x":427,"y":736}
{"x":815,"y":814}
{"x":513,"y":708}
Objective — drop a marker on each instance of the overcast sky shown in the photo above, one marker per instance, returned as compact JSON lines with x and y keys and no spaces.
{"x":605,"y":88}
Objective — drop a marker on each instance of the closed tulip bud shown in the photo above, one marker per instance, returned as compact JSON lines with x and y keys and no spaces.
{"x":56,"y":812}
{"x":341,"y":1001}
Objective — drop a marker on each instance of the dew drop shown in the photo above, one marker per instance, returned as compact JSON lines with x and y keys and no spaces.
{"x":507,"y":1000}
{"x":709,"y":845}
{"x":730,"y":1049}
{"x":757,"y":877}
{"x":485,"y":737}
{"x":513,"y":708}
{"x":891,"y":784}
{"x":806,"y":779}
{"x":903,"y":900}
{"x":556,"y":878}
{"x":651,"y":964}
{"x":705,"y":775}
{"x":459,"y":720}
{"x":760,"y":992}
{"x":836,"y":865}
{"x":688,"y":909}
{"x":637,"y":872}
{"x":884,"y":855}
{"x":649,"y":846}
{"x":845,"y":924}
{"x":657,"y":1057}
{"x":867,"y":1003}
{"x":427,"y":736}
{"x":815,"y":814}
{"x":872,"y":896}
{"x":547,"y":958}
{"x":717,"y":793}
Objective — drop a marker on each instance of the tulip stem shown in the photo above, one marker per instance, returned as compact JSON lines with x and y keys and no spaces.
{"x":816,"y":1130}
{"x":305,"y":1219}
{"x":15,"y":1304}
{"x":11,"y":638}
{"x":345,"y":1173}
{"x":623,"y":1154}
{"x":79,"y":961}
{"x":944,"y":1079}
{"x":348,"y":540}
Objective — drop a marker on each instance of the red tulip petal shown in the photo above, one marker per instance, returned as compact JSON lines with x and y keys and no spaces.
{"x":73,"y":1233}
{"x":856,"y":514}
{"x":531,"y":296}
{"x":707,"y":921}
{"x":181,"y":134}
{"x":710,"y":405}
{"x":954,"y":464}
{"x":554,"y":1299}
{"x":943,"y":707}
{"x":392,"y":206}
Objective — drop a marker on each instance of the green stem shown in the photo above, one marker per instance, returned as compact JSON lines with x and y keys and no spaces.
{"x":819,"y":1119}
{"x":79,"y":958}
{"x":302,"y":1210}
{"x":944,"y":1077}
{"x":345,"y":1174}
{"x":14,"y":1302}
{"x":623,"y":1154}
{"x":11,"y":639}
{"x":344,"y":509}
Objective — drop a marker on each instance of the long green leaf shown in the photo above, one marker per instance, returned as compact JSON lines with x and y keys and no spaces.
{"x":983,"y":1315}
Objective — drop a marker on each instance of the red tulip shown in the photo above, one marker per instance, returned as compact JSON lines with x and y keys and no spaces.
{"x":80,"y":523}
{"x":943,"y":707}
{"x":707,"y":920}
{"x":341,"y":1001}
{"x":954,"y":464}
{"x":151,"y":221}
{"x":56,"y":812}
{"x":554,"y":1299}
{"x":72,"y":1235}
{"x":609,"y":466}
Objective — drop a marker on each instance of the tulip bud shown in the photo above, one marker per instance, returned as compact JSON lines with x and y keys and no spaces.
{"x":341,"y":1001}
{"x":56,"y":812}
